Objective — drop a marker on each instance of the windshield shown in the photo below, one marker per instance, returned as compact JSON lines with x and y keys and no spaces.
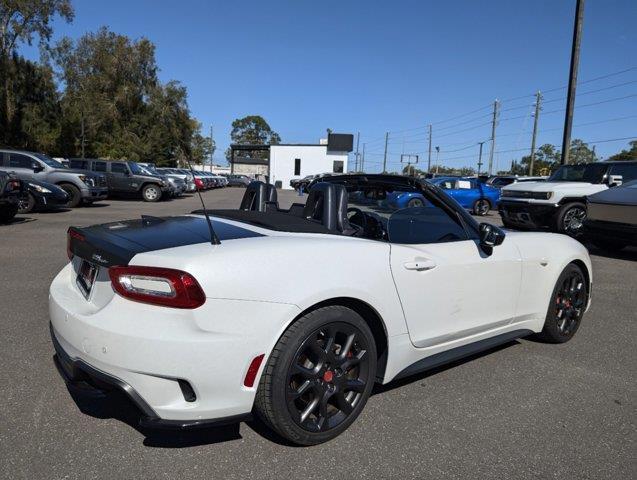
{"x":590,"y":173}
{"x":49,"y":161}
{"x":137,"y":169}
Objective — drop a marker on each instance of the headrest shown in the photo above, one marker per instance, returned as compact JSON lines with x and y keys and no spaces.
{"x":327,"y":204}
{"x":256,"y":195}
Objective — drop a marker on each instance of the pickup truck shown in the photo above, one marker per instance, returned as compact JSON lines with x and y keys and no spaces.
{"x":559,"y":203}
{"x":80,"y":186}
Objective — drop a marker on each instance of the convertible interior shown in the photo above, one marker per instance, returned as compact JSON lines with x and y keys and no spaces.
{"x":326,"y":211}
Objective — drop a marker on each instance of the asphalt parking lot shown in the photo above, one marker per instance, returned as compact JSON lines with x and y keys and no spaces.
{"x":525,"y":410}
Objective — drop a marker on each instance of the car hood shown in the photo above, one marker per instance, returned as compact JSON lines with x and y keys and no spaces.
{"x":78,"y":172}
{"x":547,"y":186}
{"x":617,"y":196}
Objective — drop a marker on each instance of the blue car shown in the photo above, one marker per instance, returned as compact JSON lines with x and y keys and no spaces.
{"x":473,"y":195}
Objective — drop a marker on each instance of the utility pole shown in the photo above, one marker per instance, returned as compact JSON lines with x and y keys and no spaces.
{"x":572,"y":80}
{"x":496,"y":106}
{"x":358,"y":138}
{"x":385,"y":155}
{"x":212,"y":143}
{"x":363,"y":159}
{"x":538,"y":99}
{"x":429,"y":158}
{"x":480,"y":158}
{"x":437,"y":153}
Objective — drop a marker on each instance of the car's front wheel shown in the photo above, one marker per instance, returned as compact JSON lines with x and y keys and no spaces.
{"x":151,"y":193}
{"x":566,"y":306}
{"x":75,"y":196}
{"x":570,"y":218}
{"x":26,"y":204}
{"x":319,"y":376}
{"x":481,"y":207}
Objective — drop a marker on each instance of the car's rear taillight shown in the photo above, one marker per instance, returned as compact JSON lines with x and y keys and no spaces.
{"x":157,"y":286}
{"x":70,"y":236}
{"x":198,"y":183}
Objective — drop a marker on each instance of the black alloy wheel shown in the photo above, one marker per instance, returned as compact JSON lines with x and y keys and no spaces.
{"x":327,"y":377}
{"x":75,"y":196}
{"x":481,"y":207}
{"x":568,"y":303}
{"x":26,"y":203}
{"x":319,"y":376}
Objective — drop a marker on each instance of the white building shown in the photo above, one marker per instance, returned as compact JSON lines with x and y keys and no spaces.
{"x":285,"y":162}
{"x":288,"y":162}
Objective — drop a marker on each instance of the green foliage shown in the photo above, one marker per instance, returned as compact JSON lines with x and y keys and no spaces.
{"x":253,"y":130}
{"x":625,"y":155}
{"x":34,"y":123}
{"x":548,"y":158}
{"x":114,"y":106}
{"x":20,"y":22}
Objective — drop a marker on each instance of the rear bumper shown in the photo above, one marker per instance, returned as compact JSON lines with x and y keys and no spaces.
{"x":188,"y":366}
{"x":527,"y":214}
{"x":77,"y":371}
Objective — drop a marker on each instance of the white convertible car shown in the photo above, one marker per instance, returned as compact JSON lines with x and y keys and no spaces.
{"x":295,"y":314}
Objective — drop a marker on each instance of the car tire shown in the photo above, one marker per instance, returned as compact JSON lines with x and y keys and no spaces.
{"x":609,"y":245}
{"x":151,"y":193}
{"x":481,"y":207}
{"x":75,"y":196}
{"x":566,"y":307}
{"x":569,"y":219}
{"x":310,"y":390}
{"x":7,"y":213}
{"x":26,"y":204}
{"x":415,"y":202}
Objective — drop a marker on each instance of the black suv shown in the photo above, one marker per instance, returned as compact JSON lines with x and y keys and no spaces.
{"x":125,"y":178}
{"x":10,"y":191}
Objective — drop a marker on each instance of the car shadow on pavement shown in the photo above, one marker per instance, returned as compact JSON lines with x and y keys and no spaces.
{"x":114,"y":404}
{"x":17,"y":220}
{"x":629,"y":253}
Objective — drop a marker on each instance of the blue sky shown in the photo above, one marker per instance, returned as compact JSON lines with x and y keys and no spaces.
{"x":371,"y":67}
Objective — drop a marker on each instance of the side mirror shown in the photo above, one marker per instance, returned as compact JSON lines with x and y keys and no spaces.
{"x":37,"y":167}
{"x":615,"y":180}
{"x":490,"y":235}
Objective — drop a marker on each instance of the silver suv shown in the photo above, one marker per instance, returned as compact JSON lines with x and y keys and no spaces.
{"x":80,"y":186}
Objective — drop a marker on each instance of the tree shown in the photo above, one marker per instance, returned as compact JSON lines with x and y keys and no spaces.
{"x":35,"y":123}
{"x":114,"y":105}
{"x":20,"y":21}
{"x":580,"y":153}
{"x":202,"y":148}
{"x":253,"y":130}
{"x":625,"y":155}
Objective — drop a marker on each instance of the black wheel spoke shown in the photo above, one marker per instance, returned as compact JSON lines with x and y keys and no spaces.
{"x":305,"y":372}
{"x":309,"y":409}
{"x":342,"y":404}
{"x":347,"y":346}
{"x":353,"y":361}
{"x":355,"y":385}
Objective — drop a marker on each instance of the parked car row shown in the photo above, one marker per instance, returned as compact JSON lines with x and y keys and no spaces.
{"x":45,"y":182}
{"x":576,"y":200}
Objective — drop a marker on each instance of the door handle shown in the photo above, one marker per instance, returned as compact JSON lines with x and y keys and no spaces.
{"x":420,"y":265}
